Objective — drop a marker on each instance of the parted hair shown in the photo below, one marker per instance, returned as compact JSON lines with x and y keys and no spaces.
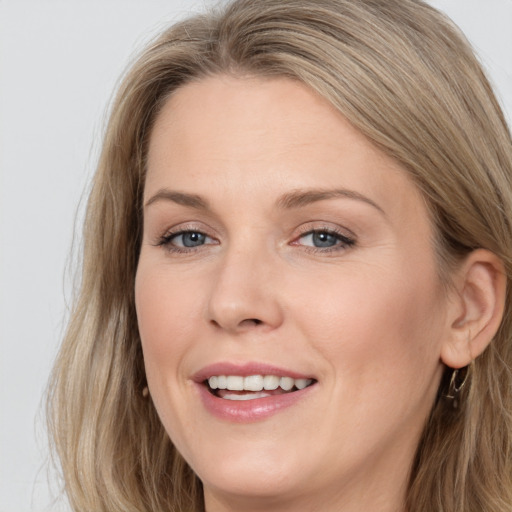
{"x":402,"y":74}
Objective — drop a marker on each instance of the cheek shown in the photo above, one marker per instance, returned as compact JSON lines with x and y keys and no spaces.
{"x":165,"y":318}
{"x":167,"y":314}
{"x":376,"y":324}
{"x":379,"y":337}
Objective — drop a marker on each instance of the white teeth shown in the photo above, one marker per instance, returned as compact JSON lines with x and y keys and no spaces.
{"x":235,"y":383}
{"x":271,"y":382}
{"x":253,"y":383}
{"x":302,"y":383}
{"x":256,"y":383}
{"x":251,"y":396}
{"x":287,"y":383}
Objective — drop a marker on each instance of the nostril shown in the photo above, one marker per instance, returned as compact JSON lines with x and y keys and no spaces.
{"x":249,"y":322}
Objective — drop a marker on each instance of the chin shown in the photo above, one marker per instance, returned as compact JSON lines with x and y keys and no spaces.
{"x":252,"y":471}
{"x":253,"y":484}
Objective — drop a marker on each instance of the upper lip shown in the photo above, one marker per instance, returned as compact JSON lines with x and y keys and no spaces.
{"x":245,"y":370}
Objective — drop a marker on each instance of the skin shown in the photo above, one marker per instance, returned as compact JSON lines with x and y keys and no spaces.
{"x":369,"y":320}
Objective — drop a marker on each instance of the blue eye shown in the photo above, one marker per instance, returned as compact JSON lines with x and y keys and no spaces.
{"x":183,"y":240}
{"x":323,"y":239}
{"x":189,"y":239}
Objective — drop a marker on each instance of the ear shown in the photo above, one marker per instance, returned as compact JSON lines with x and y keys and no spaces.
{"x":475,"y":313}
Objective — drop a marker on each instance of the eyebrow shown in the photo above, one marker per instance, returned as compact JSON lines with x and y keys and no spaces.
{"x":299,"y":198}
{"x":290,"y":200}
{"x":190,"y":200}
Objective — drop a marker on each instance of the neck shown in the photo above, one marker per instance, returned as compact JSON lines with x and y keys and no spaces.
{"x":346,"y":498}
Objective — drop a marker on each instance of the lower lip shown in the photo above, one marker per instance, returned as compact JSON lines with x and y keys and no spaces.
{"x":246,"y":411}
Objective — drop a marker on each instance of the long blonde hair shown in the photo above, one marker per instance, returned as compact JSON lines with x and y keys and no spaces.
{"x":402,"y":74}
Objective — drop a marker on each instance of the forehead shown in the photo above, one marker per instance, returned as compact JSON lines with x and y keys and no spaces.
{"x":276,"y":110}
{"x":245,"y":131}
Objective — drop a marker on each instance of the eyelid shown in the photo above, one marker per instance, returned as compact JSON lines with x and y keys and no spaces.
{"x":317,"y":226}
{"x":165,"y":240}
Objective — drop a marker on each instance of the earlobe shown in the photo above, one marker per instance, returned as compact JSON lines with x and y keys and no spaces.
{"x":477,"y":308}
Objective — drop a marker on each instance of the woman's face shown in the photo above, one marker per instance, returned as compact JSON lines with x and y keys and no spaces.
{"x":282,"y":249}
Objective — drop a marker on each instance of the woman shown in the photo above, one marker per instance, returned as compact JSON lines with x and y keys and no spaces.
{"x":296,"y":258}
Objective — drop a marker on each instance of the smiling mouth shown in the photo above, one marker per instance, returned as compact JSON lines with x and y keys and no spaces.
{"x":236,"y":387}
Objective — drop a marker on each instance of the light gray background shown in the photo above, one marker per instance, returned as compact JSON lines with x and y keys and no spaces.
{"x":59,"y":62}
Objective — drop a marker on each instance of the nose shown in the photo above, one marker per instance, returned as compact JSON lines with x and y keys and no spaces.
{"x":245,"y":292}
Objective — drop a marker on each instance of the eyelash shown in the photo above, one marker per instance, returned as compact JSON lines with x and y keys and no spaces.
{"x":343,"y":242}
{"x":166,"y":240}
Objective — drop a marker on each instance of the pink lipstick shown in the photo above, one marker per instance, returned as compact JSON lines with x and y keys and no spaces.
{"x":250,"y":392}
